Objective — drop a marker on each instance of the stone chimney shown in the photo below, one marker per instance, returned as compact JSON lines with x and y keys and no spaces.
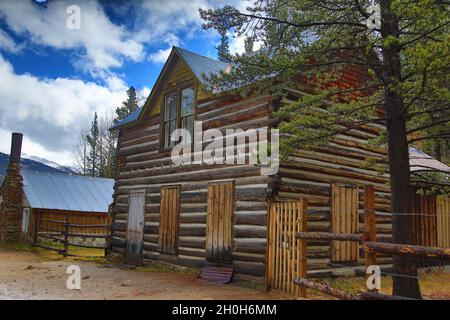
{"x":12,"y":194}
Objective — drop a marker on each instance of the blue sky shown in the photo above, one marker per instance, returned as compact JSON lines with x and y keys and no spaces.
{"x":54,"y":78}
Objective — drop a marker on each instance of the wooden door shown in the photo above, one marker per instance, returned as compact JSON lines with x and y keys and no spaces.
{"x":219,"y":225}
{"x":344,"y":219}
{"x":169,"y":220}
{"x":135,"y":229}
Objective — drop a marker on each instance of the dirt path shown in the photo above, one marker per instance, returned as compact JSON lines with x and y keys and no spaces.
{"x":27,"y":275}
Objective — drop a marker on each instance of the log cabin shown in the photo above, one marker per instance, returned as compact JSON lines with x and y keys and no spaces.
{"x":29,"y":195}
{"x":204,"y":214}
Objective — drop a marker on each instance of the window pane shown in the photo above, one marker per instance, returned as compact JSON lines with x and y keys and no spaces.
{"x":187,"y":123}
{"x":170,"y":107}
{"x":187,"y":101}
{"x":169,"y":127}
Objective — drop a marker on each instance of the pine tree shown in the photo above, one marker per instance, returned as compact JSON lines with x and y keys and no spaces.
{"x":404,"y":50}
{"x":94,"y":146}
{"x":248,"y":45}
{"x":128,"y":106}
{"x":223,"y":49}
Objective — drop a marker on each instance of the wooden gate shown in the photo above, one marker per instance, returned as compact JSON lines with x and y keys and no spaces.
{"x":443,"y":222}
{"x":344,"y":219}
{"x":169,"y":219}
{"x":424,"y":220}
{"x":219,"y":224}
{"x":286,"y":256}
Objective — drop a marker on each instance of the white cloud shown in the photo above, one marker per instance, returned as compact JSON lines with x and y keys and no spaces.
{"x":105,"y":44}
{"x":50,"y":111}
{"x":8,"y":44}
{"x":162,"y":54}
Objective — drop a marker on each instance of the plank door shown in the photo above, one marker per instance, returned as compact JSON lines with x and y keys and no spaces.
{"x":219,"y":224}
{"x":169,"y":220}
{"x":344,"y":219}
{"x":135,"y":230}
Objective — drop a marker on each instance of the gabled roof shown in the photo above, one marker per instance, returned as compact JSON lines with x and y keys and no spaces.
{"x":200,"y":66}
{"x":67,"y":192}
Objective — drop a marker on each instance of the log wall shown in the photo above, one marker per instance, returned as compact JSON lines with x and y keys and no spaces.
{"x":310,"y":174}
{"x":146,"y":166}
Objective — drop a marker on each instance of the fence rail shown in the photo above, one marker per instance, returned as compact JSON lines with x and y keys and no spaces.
{"x":287,"y":257}
{"x":62,"y":232}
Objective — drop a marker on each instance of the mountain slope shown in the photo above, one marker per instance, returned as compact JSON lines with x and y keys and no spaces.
{"x":32,"y":165}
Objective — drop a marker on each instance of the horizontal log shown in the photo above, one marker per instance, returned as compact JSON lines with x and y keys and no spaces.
{"x":330,"y":236}
{"x":366,"y":295}
{"x":250,"y":245}
{"x":407,"y":250}
{"x":192,"y":242}
{"x":251,"y":268}
{"x":248,"y":231}
{"x":120,"y":243}
{"x":324,"y":289}
{"x":198,"y":230}
{"x":251,"y":218}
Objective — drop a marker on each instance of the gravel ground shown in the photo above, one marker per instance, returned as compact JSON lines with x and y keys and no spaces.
{"x":30,"y":275}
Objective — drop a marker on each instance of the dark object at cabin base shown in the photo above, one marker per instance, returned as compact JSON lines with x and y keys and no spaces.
{"x":219,"y":274}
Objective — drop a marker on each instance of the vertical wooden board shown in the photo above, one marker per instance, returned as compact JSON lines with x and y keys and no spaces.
{"x":209,"y":227}
{"x":215,"y":220}
{"x":341,"y":245}
{"x":293,"y":238}
{"x":220,"y":227}
{"x":333,"y":221}
{"x":443,"y":221}
{"x":346,"y":217}
{"x":288,"y":240}
{"x":439,"y":221}
{"x":277,"y":244}
{"x":355,"y":223}
{"x":303,"y":245}
{"x":219,"y":221}
{"x":285,"y":245}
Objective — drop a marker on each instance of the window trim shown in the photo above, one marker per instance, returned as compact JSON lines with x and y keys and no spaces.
{"x":178,"y":90}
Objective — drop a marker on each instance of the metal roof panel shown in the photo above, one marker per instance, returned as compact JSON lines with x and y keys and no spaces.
{"x":67,"y":192}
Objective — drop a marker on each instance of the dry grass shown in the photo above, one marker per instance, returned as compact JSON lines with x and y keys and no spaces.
{"x":433,"y":285}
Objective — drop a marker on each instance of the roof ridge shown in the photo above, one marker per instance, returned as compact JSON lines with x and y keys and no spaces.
{"x":200,"y":55}
{"x":65,"y":175}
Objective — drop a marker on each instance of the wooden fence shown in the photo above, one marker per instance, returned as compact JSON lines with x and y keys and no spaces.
{"x":287,"y":247}
{"x":63,"y":233}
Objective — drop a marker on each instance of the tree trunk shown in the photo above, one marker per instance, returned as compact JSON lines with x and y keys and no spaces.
{"x":405,"y":282}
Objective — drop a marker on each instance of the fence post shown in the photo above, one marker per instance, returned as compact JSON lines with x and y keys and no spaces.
{"x":302,"y":248}
{"x":36,"y":225}
{"x":370,"y":223}
{"x":66,"y":237}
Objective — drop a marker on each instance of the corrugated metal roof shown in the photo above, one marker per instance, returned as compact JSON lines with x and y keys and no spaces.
{"x":419,"y":160}
{"x":67,"y":192}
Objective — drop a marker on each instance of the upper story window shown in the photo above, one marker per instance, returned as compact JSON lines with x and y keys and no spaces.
{"x":178,"y":113}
